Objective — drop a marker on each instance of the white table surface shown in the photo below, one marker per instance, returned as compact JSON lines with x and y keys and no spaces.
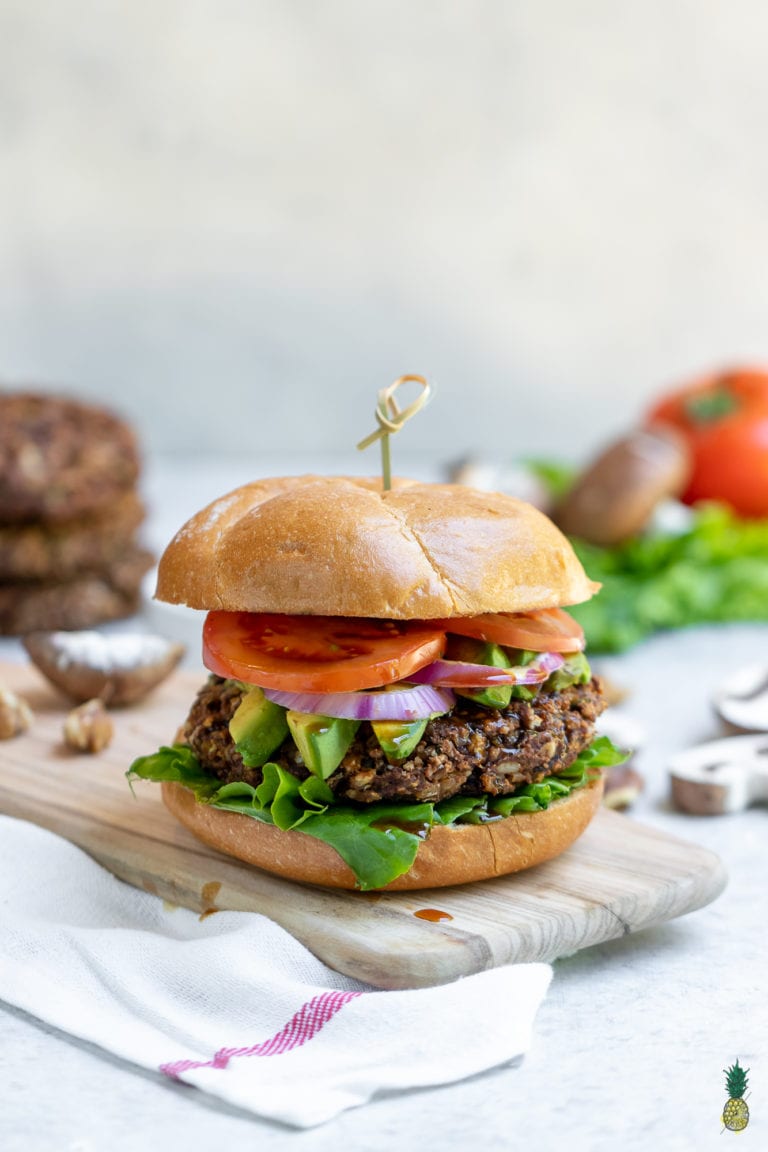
{"x":629,"y":1045}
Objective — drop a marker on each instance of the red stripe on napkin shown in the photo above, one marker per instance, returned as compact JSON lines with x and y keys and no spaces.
{"x":303,"y":1026}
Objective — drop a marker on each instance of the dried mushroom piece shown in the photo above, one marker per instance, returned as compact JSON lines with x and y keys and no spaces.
{"x":119,"y":669}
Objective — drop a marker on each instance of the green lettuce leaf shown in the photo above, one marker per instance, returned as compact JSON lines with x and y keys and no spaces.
{"x":378,"y":841}
{"x":176,"y":763}
{"x":601,"y":753}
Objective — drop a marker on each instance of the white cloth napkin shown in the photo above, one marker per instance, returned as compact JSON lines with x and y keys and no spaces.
{"x":232,"y":1003}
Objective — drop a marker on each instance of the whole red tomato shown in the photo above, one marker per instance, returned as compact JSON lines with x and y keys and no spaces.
{"x":724,"y":420}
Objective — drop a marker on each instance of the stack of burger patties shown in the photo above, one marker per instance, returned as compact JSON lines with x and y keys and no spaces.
{"x":69,"y":515}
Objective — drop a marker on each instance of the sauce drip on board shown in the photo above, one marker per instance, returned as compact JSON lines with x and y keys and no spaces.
{"x":434,"y":915}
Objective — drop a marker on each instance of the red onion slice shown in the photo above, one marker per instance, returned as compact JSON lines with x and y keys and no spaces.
{"x":417,"y":703}
{"x":456,"y":674}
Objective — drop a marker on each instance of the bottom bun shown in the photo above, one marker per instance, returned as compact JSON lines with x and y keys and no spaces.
{"x":449,"y":855}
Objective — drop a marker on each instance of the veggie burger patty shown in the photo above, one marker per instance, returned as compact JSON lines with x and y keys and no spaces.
{"x":469,"y":751}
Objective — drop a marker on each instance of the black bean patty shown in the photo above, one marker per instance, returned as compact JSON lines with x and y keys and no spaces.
{"x":61,"y":458}
{"x":469,"y":751}
{"x":82,"y":601}
{"x":39,"y":550}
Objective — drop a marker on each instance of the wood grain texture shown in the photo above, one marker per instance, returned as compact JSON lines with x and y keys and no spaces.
{"x":620,"y":877}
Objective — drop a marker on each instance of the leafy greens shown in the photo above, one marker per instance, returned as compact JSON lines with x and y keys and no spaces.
{"x":715,"y":571}
{"x":378,"y":841}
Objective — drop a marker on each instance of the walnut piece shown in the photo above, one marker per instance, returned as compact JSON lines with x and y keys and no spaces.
{"x":15,"y":715}
{"x":88,"y":728}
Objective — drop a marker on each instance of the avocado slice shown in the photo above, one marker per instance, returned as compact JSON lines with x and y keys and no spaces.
{"x":322,"y":740}
{"x":520,"y":657}
{"x":469,"y":651}
{"x":257,"y":727}
{"x":398,"y":738}
{"x":575,"y":670}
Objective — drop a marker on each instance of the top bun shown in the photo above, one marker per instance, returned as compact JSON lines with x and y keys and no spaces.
{"x":341,"y":546}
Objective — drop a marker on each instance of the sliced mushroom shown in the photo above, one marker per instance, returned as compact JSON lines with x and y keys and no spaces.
{"x":119,"y":668}
{"x":515,"y":480}
{"x":615,"y":498}
{"x":623,"y":785}
{"x":721,"y":776}
{"x":624,"y":731}
{"x":742,"y":701}
{"x":614,"y":692}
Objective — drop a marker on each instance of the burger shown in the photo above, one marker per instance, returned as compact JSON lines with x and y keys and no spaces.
{"x":396,"y":698}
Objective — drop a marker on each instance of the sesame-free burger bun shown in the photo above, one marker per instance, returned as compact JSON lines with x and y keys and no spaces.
{"x":341,"y":546}
{"x":457,"y":854}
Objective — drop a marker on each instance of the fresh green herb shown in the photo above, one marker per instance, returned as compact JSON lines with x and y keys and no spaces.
{"x":557,"y":478}
{"x":716,"y":571}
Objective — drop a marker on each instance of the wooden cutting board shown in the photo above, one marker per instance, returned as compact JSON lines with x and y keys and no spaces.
{"x":618,"y":878}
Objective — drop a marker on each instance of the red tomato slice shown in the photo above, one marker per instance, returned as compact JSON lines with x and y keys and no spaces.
{"x":549,"y":630}
{"x":317,"y":653}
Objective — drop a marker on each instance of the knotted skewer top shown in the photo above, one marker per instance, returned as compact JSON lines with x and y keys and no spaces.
{"x":391,"y":417}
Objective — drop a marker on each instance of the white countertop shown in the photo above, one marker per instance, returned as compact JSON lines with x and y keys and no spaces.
{"x":629,"y":1045}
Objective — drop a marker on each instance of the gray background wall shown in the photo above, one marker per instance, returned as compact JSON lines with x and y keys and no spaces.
{"x":239,"y":218}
